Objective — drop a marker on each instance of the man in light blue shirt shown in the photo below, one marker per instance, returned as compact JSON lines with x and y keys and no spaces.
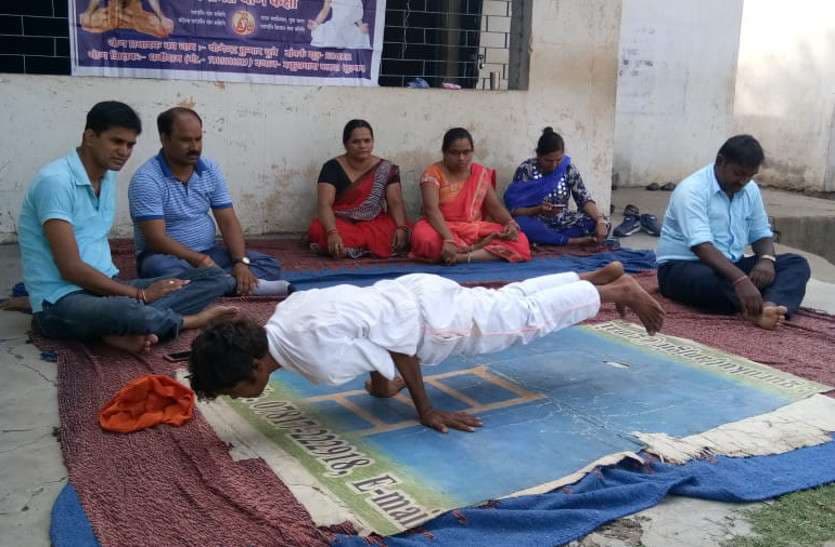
{"x":712,"y":217}
{"x":67,"y":212}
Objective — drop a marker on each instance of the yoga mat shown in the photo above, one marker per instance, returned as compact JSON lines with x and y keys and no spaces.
{"x":558,"y":405}
{"x":633,"y":261}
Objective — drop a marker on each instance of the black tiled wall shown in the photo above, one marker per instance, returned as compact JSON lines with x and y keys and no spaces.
{"x":34,"y":37}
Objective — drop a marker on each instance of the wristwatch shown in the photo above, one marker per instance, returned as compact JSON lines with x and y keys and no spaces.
{"x":242,"y":260}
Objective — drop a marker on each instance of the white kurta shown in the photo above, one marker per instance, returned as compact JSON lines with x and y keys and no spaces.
{"x":334,"y":335}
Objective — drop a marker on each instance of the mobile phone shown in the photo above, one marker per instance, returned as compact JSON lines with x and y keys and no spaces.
{"x":177,"y":356}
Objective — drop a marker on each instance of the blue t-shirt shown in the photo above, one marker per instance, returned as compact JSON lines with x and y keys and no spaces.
{"x":62,"y":191}
{"x":155,"y":193}
{"x":700,"y":212}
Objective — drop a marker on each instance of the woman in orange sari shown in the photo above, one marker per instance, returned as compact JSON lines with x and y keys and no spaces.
{"x":360,"y":204}
{"x":459,"y":197}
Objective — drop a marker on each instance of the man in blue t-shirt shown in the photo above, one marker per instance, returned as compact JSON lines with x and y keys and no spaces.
{"x":173,"y":197}
{"x":66,"y":215}
{"x":713,"y":215}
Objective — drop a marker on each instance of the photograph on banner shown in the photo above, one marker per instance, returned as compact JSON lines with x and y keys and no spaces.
{"x":306,"y":42}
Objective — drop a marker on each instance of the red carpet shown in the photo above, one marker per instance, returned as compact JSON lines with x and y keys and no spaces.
{"x":166,"y":485}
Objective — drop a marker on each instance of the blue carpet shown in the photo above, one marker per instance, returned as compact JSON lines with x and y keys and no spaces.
{"x":70,"y":527}
{"x":614,"y":492}
{"x":633,"y":261}
{"x":571,"y":512}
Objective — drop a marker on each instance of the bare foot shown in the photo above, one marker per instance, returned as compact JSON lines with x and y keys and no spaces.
{"x":385,"y":388}
{"x":771,"y":317}
{"x":625,"y":291}
{"x":608,"y":273}
{"x":134,"y":343}
{"x":208,"y":315}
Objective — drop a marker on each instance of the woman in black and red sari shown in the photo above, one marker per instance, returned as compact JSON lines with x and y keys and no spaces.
{"x":360,"y":204}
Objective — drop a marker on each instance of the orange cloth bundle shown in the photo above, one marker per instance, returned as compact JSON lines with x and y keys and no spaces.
{"x":146,"y":402}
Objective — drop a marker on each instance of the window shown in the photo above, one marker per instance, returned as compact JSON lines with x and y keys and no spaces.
{"x":467,"y":43}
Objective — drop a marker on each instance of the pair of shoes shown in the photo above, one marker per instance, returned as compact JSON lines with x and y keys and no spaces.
{"x":649,"y":224}
{"x":667,"y":187}
{"x":634,"y":222}
{"x":631,"y":222}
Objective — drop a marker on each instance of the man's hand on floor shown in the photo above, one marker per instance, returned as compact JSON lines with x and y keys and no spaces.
{"x":442,"y":421}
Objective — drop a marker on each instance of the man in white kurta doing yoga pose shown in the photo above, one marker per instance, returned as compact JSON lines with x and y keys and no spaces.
{"x":393,"y":327}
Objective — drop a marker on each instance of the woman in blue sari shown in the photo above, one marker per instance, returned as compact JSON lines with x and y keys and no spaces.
{"x":538,"y":198}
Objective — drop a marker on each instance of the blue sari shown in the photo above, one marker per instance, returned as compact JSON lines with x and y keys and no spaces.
{"x":530,"y":187}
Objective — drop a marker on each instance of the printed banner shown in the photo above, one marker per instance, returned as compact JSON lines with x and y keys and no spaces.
{"x":557,"y":405}
{"x":305,"y":42}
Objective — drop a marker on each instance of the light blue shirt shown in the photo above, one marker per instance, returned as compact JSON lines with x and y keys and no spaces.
{"x":62,"y":191}
{"x":155,"y":193}
{"x":700,"y":212}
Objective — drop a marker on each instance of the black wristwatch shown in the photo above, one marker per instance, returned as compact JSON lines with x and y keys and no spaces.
{"x":242,"y":260}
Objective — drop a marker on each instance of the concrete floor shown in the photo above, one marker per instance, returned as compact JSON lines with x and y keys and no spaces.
{"x":32,"y":472}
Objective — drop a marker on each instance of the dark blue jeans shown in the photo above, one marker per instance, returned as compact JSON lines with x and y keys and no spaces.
{"x":698,"y":285}
{"x":85,"y":316}
{"x":161,"y":265}
{"x":543,"y":234}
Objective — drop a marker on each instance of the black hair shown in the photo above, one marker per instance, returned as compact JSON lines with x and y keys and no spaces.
{"x":108,"y":114}
{"x":355,"y":124}
{"x":224,"y":355}
{"x":743,"y":150}
{"x":549,"y":141}
{"x":165,"y":121}
{"x":455,"y":134}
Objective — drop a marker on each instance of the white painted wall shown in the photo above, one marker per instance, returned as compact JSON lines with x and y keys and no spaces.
{"x":692,"y":74}
{"x":272,"y":140}
{"x":675,"y":87}
{"x":785,"y":93}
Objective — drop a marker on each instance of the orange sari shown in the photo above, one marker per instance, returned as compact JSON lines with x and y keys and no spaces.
{"x":462,"y":206}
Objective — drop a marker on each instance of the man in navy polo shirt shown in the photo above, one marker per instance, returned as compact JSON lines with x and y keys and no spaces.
{"x":171,"y":196}
{"x":66,"y":215}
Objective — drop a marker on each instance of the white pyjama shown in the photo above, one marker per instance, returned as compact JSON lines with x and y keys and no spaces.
{"x":336,"y":334}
